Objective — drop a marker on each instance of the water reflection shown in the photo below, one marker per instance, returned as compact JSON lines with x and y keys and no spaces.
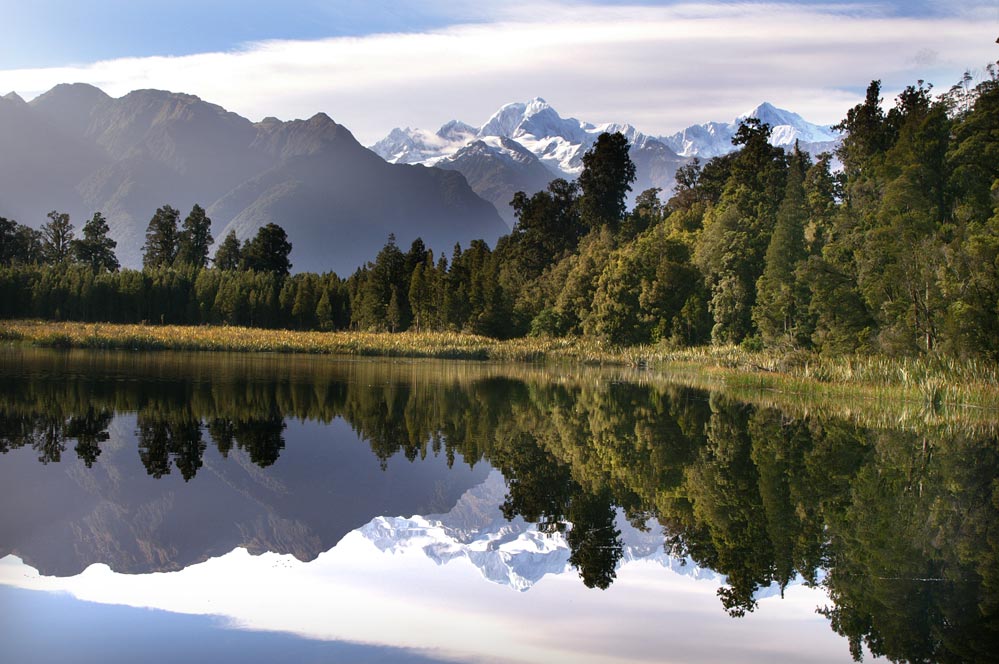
{"x":899,"y":526}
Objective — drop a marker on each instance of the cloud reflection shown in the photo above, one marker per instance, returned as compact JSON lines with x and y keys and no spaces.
{"x":400,"y":597}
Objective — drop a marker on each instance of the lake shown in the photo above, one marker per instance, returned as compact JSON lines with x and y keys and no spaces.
{"x":215,"y":507}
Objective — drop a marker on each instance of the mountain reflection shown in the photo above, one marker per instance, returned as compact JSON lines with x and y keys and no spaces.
{"x":900,"y":526}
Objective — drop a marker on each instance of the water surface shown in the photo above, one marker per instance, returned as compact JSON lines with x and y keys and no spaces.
{"x":382,"y":510}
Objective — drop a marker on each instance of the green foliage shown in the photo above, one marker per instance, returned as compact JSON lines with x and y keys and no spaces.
{"x":268,"y":251}
{"x":195,"y":239}
{"x":19,"y":245}
{"x":96,"y":249}
{"x":608,"y":173}
{"x":57,"y":238}
{"x":160,"y":249}
{"x":228,"y":256}
{"x":646,"y":293}
{"x":781,"y":299}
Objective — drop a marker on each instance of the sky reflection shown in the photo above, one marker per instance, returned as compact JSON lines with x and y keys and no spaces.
{"x":401,"y":598}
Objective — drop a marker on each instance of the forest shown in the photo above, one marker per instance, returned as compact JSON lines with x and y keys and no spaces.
{"x":890,"y":245}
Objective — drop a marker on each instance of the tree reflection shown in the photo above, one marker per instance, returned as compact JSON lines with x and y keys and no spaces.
{"x":901,"y":528}
{"x":90,"y":430}
{"x":163,"y":438}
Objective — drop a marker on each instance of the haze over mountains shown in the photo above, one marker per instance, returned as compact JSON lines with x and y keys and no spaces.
{"x":524,"y":145}
{"x":77,"y":150}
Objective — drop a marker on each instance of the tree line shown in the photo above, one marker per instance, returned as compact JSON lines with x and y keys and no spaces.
{"x":891,"y":245}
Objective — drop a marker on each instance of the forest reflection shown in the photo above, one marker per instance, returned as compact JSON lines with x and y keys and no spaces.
{"x":900,"y":526}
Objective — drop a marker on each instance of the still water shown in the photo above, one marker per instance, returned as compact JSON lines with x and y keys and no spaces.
{"x":174,"y":507}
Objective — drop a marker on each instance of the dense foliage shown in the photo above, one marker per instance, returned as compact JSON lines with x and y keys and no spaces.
{"x":891,"y":245}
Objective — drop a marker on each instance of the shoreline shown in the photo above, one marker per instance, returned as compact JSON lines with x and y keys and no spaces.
{"x":930,"y":383}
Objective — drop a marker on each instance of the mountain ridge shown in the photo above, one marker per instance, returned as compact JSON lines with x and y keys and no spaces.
{"x":559,"y":144}
{"x":79,"y":150}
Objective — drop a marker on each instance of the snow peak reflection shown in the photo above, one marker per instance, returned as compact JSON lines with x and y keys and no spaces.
{"x":289,"y":454}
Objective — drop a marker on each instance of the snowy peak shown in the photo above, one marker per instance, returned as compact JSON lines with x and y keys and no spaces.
{"x":455,"y":130}
{"x":789,"y":127}
{"x":535,"y":118}
{"x":505,"y":121}
{"x":415,"y":146}
{"x":715,"y":138}
{"x":510,"y":553}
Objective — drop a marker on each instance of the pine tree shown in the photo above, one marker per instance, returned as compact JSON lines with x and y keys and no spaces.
{"x":608,"y":173}
{"x":419,"y":297}
{"x":96,"y":249}
{"x":268,"y":251}
{"x":780,"y":297}
{"x":228,"y":256}
{"x":195,"y":239}
{"x":393,"y":313}
{"x":57,"y":238}
{"x":324,"y":311}
{"x":160,"y":249}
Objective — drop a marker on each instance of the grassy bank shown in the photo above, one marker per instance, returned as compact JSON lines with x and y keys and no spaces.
{"x":927,"y":384}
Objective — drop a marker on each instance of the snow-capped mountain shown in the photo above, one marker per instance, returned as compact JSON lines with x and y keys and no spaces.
{"x":557,"y":142}
{"x":715,"y":138}
{"x":495,"y":160}
{"x":417,"y":146}
{"x":514,"y":553}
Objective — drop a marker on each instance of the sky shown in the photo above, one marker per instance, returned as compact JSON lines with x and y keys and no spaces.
{"x":660,"y":66}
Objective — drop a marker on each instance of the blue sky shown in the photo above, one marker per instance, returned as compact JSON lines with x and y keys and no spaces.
{"x":658,"y":65}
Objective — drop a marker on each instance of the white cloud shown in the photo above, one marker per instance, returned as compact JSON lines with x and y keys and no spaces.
{"x":660,"y":68}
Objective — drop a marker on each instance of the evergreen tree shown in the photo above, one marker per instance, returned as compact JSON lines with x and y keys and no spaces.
{"x":228,"y":256}
{"x":29,"y":247}
{"x":420,"y":297}
{"x":96,"y":249}
{"x":548,"y":226}
{"x":306,"y":301}
{"x":731,"y":247}
{"x":19,"y":245}
{"x":821,"y":192}
{"x":324,"y":311}
{"x":160,"y":249}
{"x":195,"y":239}
{"x":268,"y":251}
{"x":780,"y":299}
{"x":376,"y":286}
{"x":417,"y":255}
{"x":393,"y":312}
{"x":57,"y":238}
{"x":608,"y":173}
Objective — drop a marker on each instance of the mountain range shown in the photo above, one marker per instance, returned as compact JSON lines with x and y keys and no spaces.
{"x":77,"y":150}
{"x":515,"y":553}
{"x":524,"y":145}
